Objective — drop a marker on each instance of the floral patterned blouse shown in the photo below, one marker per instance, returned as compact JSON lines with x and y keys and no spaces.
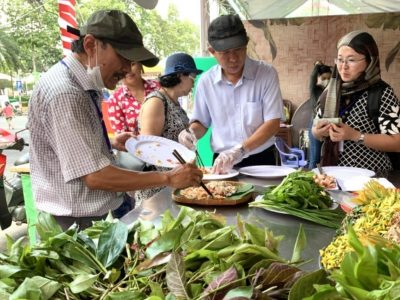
{"x":124,"y":108}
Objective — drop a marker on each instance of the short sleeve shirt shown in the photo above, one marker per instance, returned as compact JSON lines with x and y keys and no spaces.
{"x":67,"y":142}
{"x":124,"y":108}
{"x":8,"y":111}
{"x":235,"y":112}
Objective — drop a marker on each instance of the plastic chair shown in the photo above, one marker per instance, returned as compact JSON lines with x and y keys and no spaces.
{"x":290,"y":157}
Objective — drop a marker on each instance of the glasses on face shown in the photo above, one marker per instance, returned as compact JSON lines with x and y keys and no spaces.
{"x":191,"y":75}
{"x":349,"y":61}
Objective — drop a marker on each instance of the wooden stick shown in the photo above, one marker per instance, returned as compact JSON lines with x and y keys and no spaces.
{"x":182,"y":161}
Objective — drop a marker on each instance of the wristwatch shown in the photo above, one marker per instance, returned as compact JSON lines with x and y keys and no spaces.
{"x":361,"y":139}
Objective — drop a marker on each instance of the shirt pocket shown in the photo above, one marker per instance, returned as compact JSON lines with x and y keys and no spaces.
{"x":253,"y":115}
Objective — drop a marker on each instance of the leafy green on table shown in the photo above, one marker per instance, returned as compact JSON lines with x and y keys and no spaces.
{"x":369,"y":272}
{"x":242,"y":190}
{"x":300,"y":196}
{"x":299,"y":190}
{"x":193,"y":256}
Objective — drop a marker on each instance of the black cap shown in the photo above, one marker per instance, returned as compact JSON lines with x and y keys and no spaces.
{"x":227,"y":32}
{"x":118,"y":29}
{"x":180,"y":63}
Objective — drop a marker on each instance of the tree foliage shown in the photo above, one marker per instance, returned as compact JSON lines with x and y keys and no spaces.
{"x":8,"y":53}
{"x":35,"y":29}
{"x":33,"y":26}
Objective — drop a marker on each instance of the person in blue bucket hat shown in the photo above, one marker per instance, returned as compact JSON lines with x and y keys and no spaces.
{"x":161,"y":113}
{"x":180,"y":63}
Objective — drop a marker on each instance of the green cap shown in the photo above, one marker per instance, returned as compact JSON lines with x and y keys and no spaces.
{"x":118,"y":29}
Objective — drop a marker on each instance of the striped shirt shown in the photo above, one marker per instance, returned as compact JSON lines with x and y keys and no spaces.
{"x":67,"y":142}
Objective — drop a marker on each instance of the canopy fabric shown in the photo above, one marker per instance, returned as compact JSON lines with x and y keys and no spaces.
{"x":274,"y":9}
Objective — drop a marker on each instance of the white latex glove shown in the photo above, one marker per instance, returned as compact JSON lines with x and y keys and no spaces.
{"x":227,"y":159}
{"x":188,"y":139}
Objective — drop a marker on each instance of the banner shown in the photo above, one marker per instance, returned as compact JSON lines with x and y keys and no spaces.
{"x":66,"y":12}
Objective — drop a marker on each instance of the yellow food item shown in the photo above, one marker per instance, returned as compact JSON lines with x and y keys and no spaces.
{"x":375,"y":221}
{"x":373,"y":190}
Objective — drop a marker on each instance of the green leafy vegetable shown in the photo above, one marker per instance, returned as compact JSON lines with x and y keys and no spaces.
{"x":300,"y":196}
{"x":299,"y":190}
{"x":193,"y":256}
{"x":370,"y":272}
{"x":111,"y":243}
{"x":176,"y":279}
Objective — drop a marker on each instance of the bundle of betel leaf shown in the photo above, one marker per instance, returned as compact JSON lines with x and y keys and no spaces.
{"x":193,"y":256}
{"x":299,"y":195}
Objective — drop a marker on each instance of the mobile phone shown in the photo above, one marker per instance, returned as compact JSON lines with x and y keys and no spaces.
{"x":329,"y":120}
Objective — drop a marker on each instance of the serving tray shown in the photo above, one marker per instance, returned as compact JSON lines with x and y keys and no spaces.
{"x":243,"y":195}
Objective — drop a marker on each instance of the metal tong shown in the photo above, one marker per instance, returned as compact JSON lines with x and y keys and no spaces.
{"x":182,"y":161}
{"x":321,"y":171}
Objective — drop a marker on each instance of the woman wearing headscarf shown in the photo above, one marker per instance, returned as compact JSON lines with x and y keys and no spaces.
{"x":161,"y":113}
{"x":357,"y":141}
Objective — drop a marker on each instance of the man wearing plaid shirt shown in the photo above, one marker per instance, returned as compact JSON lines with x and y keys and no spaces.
{"x":73,"y":171}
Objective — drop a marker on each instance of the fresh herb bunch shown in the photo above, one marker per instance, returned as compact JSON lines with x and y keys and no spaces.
{"x":300,"y":196}
{"x":299,"y":190}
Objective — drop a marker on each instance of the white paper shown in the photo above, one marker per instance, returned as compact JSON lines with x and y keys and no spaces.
{"x":357,"y":183}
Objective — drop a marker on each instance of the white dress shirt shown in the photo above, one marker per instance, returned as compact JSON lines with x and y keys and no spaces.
{"x":235,"y":112}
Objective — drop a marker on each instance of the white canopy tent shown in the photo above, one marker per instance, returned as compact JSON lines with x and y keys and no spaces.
{"x":277,"y":9}
{"x":273,"y":9}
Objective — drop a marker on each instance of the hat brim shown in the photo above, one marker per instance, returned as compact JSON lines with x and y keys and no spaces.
{"x":138,"y":54}
{"x":197,"y":71}
{"x":232,"y":42}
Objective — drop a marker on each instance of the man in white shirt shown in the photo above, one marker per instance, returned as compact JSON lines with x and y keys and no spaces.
{"x":240,"y":98}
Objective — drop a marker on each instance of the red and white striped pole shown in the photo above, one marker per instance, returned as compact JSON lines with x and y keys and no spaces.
{"x":66,"y":12}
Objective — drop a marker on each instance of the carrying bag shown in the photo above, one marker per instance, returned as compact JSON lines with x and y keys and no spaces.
{"x":373,"y":103}
{"x":329,"y":153}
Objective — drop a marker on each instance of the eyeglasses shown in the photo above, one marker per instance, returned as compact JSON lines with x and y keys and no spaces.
{"x":349,"y":61}
{"x":190,"y":75}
